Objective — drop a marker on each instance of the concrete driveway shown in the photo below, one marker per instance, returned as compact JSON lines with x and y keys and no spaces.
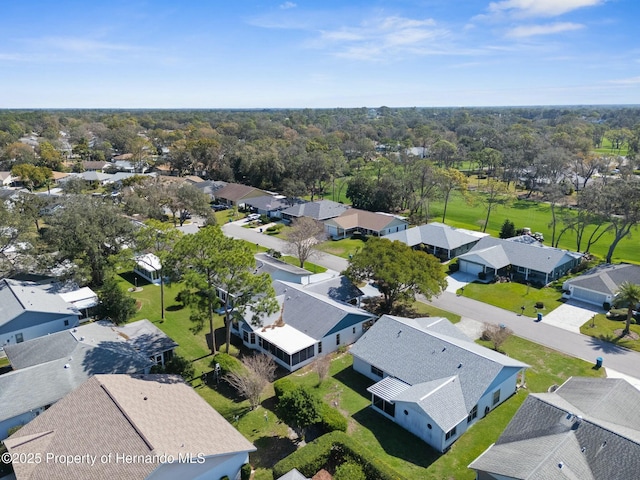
{"x":458,"y":280}
{"x":571,"y":315}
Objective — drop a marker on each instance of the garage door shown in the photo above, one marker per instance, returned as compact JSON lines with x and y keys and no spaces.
{"x":589,"y":296}
{"x":469,"y":267}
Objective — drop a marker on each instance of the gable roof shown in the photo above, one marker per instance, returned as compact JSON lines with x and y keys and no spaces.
{"x":338,"y":288}
{"x":582,"y":430}
{"x":523,"y":251}
{"x":607,"y":278}
{"x":311,"y":314}
{"x":431,"y":357}
{"x":268,"y":202}
{"x":59,"y":362}
{"x":141,"y":415}
{"x":17,"y":297}
{"x":236,"y":191}
{"x":210,"y":187}
{"x":374,"y":221}
{"x":320,"y":210}
{"x":438,"y":235}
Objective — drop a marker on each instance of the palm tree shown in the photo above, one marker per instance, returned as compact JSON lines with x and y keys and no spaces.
{"x":628,"y":293}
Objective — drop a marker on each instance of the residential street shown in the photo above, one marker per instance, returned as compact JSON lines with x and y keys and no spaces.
{"x":574,"y":344}
{"x":587,"y":348}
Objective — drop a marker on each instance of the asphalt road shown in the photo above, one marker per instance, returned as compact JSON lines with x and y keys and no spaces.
{"x":574,"y":344}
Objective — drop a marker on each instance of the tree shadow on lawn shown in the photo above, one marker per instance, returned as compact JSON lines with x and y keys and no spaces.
{"x":134,"y":279}
{"x":609,"y":344}
{"x":271,"y":450}
{"x":354,"y":381}
{"x":396,"y":441}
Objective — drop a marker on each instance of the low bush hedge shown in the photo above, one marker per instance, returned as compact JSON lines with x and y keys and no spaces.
{"x":283,"y":385}
{"x":245,"y":472}
{"x":334,"y":449}
{"x":227,"y":363}
{"x":332,"y":419}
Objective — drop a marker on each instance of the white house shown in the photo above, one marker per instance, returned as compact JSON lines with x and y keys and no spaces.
{"x":29,"y":310}
{"x":149,"y":267}
{"x":307,"y":325}
{"x":134,"y":427}
{"x":430,"y":378}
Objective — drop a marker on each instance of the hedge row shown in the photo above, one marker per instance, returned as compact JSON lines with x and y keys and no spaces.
{"x":335,"y":448}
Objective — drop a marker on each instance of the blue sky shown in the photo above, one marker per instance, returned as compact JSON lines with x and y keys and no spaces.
{"x":329,"y":53}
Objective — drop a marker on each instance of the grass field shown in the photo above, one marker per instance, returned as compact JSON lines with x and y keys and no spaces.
{"x":605,"y":329}
{"x":512,"y":296}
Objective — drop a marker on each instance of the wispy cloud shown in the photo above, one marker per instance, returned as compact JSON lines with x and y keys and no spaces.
{"x":523,"y":31}
{"x":626,"y":81}
{"x":540,"y":8}
{"x":84,"y":45}
{"x":288,"y":5}
{"x":378,"y":38}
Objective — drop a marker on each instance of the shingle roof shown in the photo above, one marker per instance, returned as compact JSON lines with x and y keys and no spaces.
{"x":268,"y":203}
{"x":339,"y":288}
{"x":235,"y":191}
{"x":414,"y":351}
{"x":534,"y":256}
{"x":121,"y":414}
{"x":210,"y":187}
{"x":320,"y":210}
{"x":311,"y":313}
{"x":17,"y":297}
{"x":607,"y":278}
{"x":355,"y":218}
{"x":59,"y":362}
{"x":438,"y":235}
{"x":583,"y":430}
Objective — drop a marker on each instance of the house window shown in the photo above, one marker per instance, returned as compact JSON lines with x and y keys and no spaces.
{"x":252,"y":338}
{"x":366,"y":325}
{"x":319,"y":348}
{"x":387,"y":407}
{"x":450,"y":433}
{"x":522,"y":270}
{"x":245,"y":336}
{"x":473,"y":414}
{"x":376,"y":371}
{"x":496,"y":397}
{"x":338,"y":339}
{"x":66,"y":323}
{"x":19,"y":338}
{"x":354,"y":330}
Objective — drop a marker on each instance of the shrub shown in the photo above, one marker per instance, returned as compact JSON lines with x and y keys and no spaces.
{"x":482,"y":275}
{"x":349,"y":471}
{"x":539,"y":305}
{"x":272,"y":229}
{"x":617,"y":314}
{"x":334,"y":447}
{"x":227,"y":363}
{"x":245,"y":472}
{"x":332,"y":419}
{"x":454,"y":267}
{"x":606,"y":306}
{"x":283,"y":385}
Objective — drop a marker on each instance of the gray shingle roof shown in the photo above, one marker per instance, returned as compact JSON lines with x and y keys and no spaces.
{"x":59,"y":362}
{"x":415,"y":352}
{"x":293,"y":475}
{"x":607,"y":278}
{"x":534,"y":256}
{"x":151,"y":415}
{"x":339,"y":288}
{"x":438,"y":235}
{"x":268,"y":203}
{"x":320,"y":210}
{"x":583,"y":430}
{"x":311,"y":313}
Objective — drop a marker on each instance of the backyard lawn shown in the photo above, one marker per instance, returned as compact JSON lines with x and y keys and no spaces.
{"x":401,"y":450}
{"x":341,"y":248}
{"x":512,"y":296}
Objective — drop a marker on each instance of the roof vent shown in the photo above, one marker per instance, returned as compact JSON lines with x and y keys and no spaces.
{"x":560,"y":465}
{"x":66,"y":365}
{"x":145,"y":398}
{"x":399,"y":332}
{"x":460,"y":365}
{"x":583,"y":449}
{"x":82,"y":338}
{"x":444,"y":348}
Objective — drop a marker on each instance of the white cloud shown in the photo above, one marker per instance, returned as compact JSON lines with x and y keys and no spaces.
{"x":288,"y":5}
{"x":540,"y":8}
{"x":381,"y":37}
{"x":549,"y":29}
{"x":83,"y":45}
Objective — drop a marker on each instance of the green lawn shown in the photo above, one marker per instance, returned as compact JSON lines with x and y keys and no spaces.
{"x":341,"y":248}
{"x":605,"y":329}
{"x":431,"y":311}
{"x":512,"y":296}
{"x":346,"y":387}
{"x":607,"y":149}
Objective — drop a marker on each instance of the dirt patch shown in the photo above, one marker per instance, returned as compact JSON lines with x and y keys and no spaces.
{"x":628,"y":336}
